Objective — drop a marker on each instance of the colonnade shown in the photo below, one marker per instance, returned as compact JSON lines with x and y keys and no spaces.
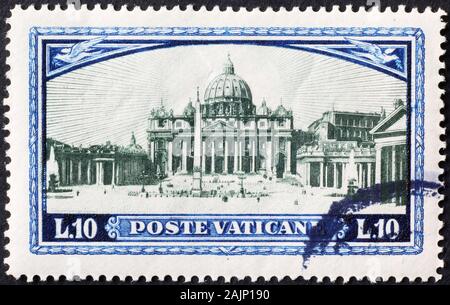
{"x":334,"y":174}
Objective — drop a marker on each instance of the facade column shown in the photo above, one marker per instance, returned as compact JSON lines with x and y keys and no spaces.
{"x":393,"y":163}
{"x":88,"y":172}
{"x":288,"y":157}
{"x":225,"y":157}
{"x":253,"y":167}
{"x":369,"y":174}
{"x":326,"y":173}
{"x":184,"y":156}
{"x":236,"y":156}
{"x":169,"y":158}
{"x":152,"y":151}
{"x":335,"y":184}
{"x":321,"y":175}
{"x":240,"y":156}
{"x":269,"y":157}
{"x":213,"y":157}
{"x":377,"y":165}
{"x":203,"y":156}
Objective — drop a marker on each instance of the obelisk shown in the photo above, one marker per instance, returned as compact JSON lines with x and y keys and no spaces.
{"x":197,"y":176}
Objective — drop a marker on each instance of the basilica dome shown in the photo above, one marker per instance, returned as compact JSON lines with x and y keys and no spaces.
{"x":228,"y":94}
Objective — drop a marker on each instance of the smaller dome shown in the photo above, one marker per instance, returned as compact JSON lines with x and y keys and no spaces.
{"x":161,"y":112}
{"x":133,"y":147}
{"x":263,"y":109}
{"x":281,"y":111}
{"x":189,"y":110}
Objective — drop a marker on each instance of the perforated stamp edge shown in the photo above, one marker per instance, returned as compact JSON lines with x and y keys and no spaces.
{"x":21,"y":261}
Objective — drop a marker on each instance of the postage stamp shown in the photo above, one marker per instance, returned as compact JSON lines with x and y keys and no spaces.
{"x":209,"y":143}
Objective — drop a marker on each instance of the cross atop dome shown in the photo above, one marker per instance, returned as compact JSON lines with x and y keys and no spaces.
{"x":228,"y":67}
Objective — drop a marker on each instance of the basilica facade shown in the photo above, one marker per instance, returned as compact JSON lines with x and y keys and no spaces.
{"x":235,"y":135}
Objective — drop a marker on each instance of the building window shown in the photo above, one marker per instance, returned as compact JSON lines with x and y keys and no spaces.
{"x":161,"y":123}
{"x":262,"y":124}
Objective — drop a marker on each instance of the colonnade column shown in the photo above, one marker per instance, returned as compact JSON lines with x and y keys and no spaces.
{"x":63,"y":172}
{"x":321,"y":175}
{"x":79,"y":172}
{"x":99,"y":173}
{"x":303,"y":172}
{"x":97,"y":179}
{"x":113,"y":179}
{"x":360,"y":175}
{"x":335,"y":176}
{"x":393,"y":163}
{"x":88,"y":172}
{"x":344,"y":175}
{"x":118,"y":176}
{"x":369,"y":174}
{"x":377,"y":165}
{"x":70,"y":172}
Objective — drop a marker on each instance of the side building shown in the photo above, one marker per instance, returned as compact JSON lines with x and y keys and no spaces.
{"x":324,"y":161}
{"x":97,"y":164}
{"x":391,"y":157}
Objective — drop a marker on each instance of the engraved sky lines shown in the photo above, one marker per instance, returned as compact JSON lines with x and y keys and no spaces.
{"x":108,"y":100}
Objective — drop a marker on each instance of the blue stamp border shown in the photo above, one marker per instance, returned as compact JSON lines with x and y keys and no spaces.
{"x":34,"y":137}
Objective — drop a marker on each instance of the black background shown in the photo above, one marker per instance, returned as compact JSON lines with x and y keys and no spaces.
{"x":167,"y":290}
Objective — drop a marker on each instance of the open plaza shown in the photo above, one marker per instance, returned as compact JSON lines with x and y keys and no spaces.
{"x":222,"y":195}
{"x":226,"y":154}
